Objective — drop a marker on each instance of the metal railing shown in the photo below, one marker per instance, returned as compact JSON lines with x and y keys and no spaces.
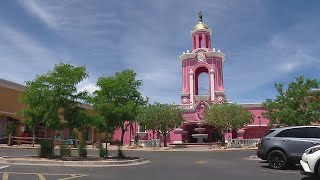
{"x":149,"y":143}
{"x":238,"y":143}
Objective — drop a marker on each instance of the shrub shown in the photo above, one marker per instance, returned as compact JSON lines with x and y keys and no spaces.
{"x":45,"y":150}
{"x":82,"y":149}
{"x":11,"y":129}
{"x":102,"y":151}
{"x":64,"y":150}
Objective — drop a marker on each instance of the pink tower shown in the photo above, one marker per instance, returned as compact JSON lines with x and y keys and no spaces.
{"x":202,"y":59}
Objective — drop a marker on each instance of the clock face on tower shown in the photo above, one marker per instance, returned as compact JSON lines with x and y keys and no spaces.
{"x":201,"y":56}
{"x":220,"y":98}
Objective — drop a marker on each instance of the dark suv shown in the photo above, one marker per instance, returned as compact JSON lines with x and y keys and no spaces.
{"x":283,"y":146}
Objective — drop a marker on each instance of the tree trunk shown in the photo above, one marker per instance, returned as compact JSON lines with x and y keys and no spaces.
{"x":106,"y":144}
{"x":165,"y":139}
{"x":33,"y":136}
{"x":223,"y":138}
{"x":123,"y":130}
{"x":52,"y":143}
{"x":153,"y":134}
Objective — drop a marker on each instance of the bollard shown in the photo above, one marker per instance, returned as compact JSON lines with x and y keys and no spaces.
{"x":9,"y":140}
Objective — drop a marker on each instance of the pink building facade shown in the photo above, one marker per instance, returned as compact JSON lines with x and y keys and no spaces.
{"x":205,"y":60}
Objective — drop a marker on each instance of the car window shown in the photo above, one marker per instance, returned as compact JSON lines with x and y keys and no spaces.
{"x":314,"y":132}
{"x":295,"y":132}
{"x":270,"y":131}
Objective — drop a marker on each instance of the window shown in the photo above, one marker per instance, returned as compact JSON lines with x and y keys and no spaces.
{"x":314,"y":132}
{"x":295,"y":133}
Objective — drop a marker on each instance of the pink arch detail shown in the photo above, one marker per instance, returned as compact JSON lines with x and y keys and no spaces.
{"x":206,"y":65}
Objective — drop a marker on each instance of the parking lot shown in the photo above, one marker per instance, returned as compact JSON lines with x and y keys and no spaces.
{"x":163,"y":165}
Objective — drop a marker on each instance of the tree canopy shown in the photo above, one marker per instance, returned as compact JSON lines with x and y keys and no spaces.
{"x":227,"y":116}
{"x":52,"y":99}
{"x":297,"y":104}
{"x":117,"y":100}
{"x":161,"y":118}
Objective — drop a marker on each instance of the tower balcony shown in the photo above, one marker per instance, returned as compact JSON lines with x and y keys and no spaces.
{"x":202,"y":97}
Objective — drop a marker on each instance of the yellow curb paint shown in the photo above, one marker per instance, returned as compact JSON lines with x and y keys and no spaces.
{"x":5,"y":176}
{"x":41,"y":177}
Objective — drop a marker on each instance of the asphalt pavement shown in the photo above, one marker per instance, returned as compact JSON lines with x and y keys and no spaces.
{"x":227,"y":165}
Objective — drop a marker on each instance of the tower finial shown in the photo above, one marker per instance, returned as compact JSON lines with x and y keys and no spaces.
{"x":200,"y":16}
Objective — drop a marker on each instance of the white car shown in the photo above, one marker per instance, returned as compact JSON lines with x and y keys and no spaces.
{"x":310,"y":161}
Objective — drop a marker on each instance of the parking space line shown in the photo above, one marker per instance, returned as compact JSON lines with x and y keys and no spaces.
{"x":201,"y":162}
{"x":27,"y":173}
{"x":5,"y":176}
{"x":72,"y":177}
{"x":281,"y":171}
{"x":41,"y":177}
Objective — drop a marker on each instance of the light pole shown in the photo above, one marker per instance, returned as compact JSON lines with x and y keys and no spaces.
{"x":259,"y":126}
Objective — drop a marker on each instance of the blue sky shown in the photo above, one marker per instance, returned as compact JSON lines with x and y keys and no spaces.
{"x":264,"y":41}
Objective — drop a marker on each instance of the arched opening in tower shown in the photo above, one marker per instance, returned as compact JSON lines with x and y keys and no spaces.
{"x":202,"y":82}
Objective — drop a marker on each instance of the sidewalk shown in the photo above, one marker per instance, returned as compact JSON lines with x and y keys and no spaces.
{"x":147,"y":149}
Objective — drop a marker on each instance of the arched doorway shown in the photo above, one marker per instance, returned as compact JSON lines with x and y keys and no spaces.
{"x":202,"y":81}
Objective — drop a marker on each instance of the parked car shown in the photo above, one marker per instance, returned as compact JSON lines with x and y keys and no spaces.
{"x":310,"y":161}
{"x":286,"y":145}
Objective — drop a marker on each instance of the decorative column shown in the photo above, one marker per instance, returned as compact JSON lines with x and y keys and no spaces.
{"x":197,"y":41}
{"x":212,"y":86}
{"x":204,"y":41}
{"x":191,"y":88}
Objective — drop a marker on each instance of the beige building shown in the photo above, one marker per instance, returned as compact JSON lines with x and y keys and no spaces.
{"x":10,"y":104}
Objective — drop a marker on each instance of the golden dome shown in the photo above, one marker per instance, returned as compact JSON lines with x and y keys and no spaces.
{"x":200,"y":25}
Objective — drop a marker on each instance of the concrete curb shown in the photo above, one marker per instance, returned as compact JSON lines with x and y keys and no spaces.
{"x":161,"y":149}
{"x":102,"y":163}
{"x":188,"y":150}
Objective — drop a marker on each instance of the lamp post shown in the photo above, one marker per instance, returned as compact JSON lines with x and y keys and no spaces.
{"x":259,"y":126}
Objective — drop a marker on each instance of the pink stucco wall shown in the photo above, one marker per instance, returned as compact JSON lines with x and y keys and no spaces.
{"x":126,"y":141}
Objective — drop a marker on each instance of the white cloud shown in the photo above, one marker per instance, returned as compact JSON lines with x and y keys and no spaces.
{"x":150,"y":37}
{"x":35,"y":9}
{"x":21,"y":56}
{"x":87,"y":85}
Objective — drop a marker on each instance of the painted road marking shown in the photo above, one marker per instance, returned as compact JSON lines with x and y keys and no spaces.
{"x":72,"y":177}
{"x":2,"y":167}
{"x":201,"y":162}
{"x":41,"y":177}
{"x":5,"y":176}
{"x":281,"y":171}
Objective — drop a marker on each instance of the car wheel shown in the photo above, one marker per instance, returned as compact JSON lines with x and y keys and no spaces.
{"x":277,"y":159}
{"x":318,"y":170}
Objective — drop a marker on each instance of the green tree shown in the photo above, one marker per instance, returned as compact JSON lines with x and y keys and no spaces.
{"x":295,"y":105}
{"x":33,"y":117}
{"x":146,"y":117}
{"x":162,"y":118}
{"x":51,"y":96}
{"x":227,"y":116}
{"x":118,"y":100}
{"x":78,"y":118}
